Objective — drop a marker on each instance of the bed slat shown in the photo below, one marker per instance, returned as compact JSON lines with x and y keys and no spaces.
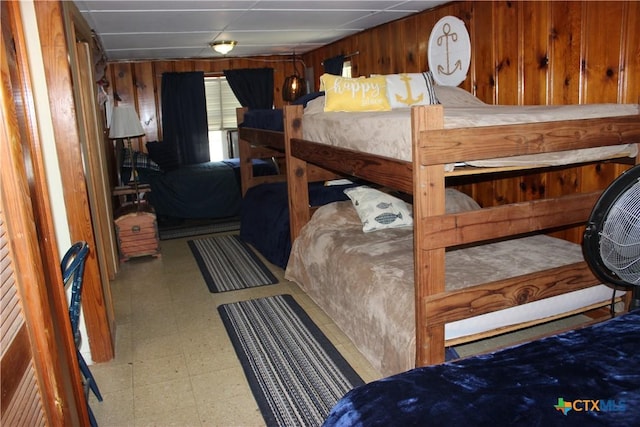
{"x":450,"y":306}
{"x":467,"y":144}
{"x":267,"y":138}
{"x":508,"y":220}
{"x":392,"y":173}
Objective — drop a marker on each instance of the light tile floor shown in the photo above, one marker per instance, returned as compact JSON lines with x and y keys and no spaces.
{"x":174,"y":363}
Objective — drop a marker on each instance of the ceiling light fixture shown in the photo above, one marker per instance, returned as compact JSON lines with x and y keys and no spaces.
{"x":223,"y":46}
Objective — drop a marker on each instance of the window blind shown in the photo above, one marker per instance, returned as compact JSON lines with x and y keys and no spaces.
{"x":221,"y":104}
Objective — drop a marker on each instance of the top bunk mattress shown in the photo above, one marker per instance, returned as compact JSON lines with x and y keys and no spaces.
{"x":388,"y":133}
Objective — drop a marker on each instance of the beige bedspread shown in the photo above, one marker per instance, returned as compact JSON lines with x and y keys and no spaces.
{"x":389,"y":133}
{"x":364,"y":281}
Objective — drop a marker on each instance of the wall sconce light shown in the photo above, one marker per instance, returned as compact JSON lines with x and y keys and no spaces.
{"x":223,"y":46}
{"x":294,"y":85}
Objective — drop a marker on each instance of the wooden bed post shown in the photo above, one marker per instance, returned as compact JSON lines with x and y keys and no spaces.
{"x":244,"y":148}
{"x":429,"y":265}
{"x":297,"y":176}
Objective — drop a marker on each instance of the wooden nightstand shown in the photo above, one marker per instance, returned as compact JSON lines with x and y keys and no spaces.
{"x":130,"y":190}
{"x":136,"y":227}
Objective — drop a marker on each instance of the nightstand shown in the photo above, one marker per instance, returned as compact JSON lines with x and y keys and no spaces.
{"x":130,"y":190}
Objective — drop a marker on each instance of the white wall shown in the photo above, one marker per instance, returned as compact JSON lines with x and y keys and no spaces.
{"x":47,"y":140}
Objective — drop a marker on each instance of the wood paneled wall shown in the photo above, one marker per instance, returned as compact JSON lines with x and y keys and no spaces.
{"x":139,"y":83}
{"x":538,"y":52}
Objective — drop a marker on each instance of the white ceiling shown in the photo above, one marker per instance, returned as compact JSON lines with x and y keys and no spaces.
{"x":136,"y":30}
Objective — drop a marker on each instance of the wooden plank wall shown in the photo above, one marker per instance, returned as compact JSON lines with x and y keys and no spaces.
{"x":139,"y":83}
{"x":538,"y":52}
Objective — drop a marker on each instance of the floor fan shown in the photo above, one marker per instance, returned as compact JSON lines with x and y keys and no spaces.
{"x":611,"y":244}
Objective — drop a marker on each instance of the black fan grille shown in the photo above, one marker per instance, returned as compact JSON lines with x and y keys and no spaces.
{"x":620,"y":236}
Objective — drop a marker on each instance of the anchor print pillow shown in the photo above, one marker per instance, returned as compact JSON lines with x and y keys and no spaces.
{"x":378,"y":210}
{"x":354,"y":94}
{"x":406,"y":90}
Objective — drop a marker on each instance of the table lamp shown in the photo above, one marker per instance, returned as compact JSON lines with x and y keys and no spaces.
{"x":125,"y":124}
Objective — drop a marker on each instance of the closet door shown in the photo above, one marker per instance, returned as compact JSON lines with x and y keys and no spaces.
{"x":22,"y":403}
{"x":38,"y":375}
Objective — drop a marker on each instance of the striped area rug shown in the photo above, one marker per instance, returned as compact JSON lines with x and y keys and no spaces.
{"x":294,"y":371}
{"x":197,"y":228}
{"x":229,"y":264}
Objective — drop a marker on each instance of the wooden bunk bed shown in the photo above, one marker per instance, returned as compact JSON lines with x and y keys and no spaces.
{"x":435,"y":232}
{"x":255,"y":143}
{"x":265,"y":217}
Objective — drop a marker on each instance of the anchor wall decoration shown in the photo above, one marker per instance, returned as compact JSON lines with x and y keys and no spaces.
{"x":449,"y":51}
{"x":447,"y":34}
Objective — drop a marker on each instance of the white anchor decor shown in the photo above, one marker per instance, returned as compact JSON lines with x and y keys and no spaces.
{"x":405,"y":90}
{"x":449,"y":51}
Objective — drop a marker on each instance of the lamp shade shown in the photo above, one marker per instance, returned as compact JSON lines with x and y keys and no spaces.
{"x":293,"y":88}
{"x":125,"y":123}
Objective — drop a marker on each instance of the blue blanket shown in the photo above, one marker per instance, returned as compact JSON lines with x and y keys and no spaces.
{"x":264,"y":221}
{"x":587,"y":377}
{"x":205,"y":190}
{"x":264,"y":119}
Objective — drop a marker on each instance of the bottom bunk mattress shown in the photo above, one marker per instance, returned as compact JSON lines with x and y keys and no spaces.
{"x":585,"y":377}
{"x":364,"y":281}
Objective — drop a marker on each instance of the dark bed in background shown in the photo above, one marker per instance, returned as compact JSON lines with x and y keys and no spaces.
{"x":209,"y":190}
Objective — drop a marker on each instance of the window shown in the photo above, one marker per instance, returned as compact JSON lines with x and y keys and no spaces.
{"x":221,"y":117}
{"x":346,"y":69}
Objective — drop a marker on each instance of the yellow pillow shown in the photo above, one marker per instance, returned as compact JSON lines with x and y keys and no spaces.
{"x":359,"y":94}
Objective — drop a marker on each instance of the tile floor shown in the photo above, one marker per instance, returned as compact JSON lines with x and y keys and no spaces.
{"x":174,"y":363}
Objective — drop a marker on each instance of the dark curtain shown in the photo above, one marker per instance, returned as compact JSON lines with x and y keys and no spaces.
{"x":184,"y":116}
{"x":334,"y":65}
{"x":252,"y":86}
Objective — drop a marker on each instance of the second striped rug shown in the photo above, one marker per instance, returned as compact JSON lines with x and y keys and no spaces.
{"x":295,"y":372}
{"x":228,"y":264}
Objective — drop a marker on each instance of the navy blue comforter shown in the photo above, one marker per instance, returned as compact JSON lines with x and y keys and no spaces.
{"x":205,"y":190}
{"x":587,"y":377}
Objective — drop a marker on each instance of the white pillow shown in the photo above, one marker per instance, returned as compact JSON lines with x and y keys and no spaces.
{"x":378,"y":210}
{"x":457,"y":201}
{"x":315,"y":106}
{"x":405,"y":90}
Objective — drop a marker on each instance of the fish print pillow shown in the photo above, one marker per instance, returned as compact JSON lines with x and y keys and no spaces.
{"x":378,"y":210}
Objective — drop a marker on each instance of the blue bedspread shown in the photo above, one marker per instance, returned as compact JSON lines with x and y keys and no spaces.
{"x":264,"y":119}
{"x":587,"y":377}
{"x":264,"y":221}
{"x":204,"y":190}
